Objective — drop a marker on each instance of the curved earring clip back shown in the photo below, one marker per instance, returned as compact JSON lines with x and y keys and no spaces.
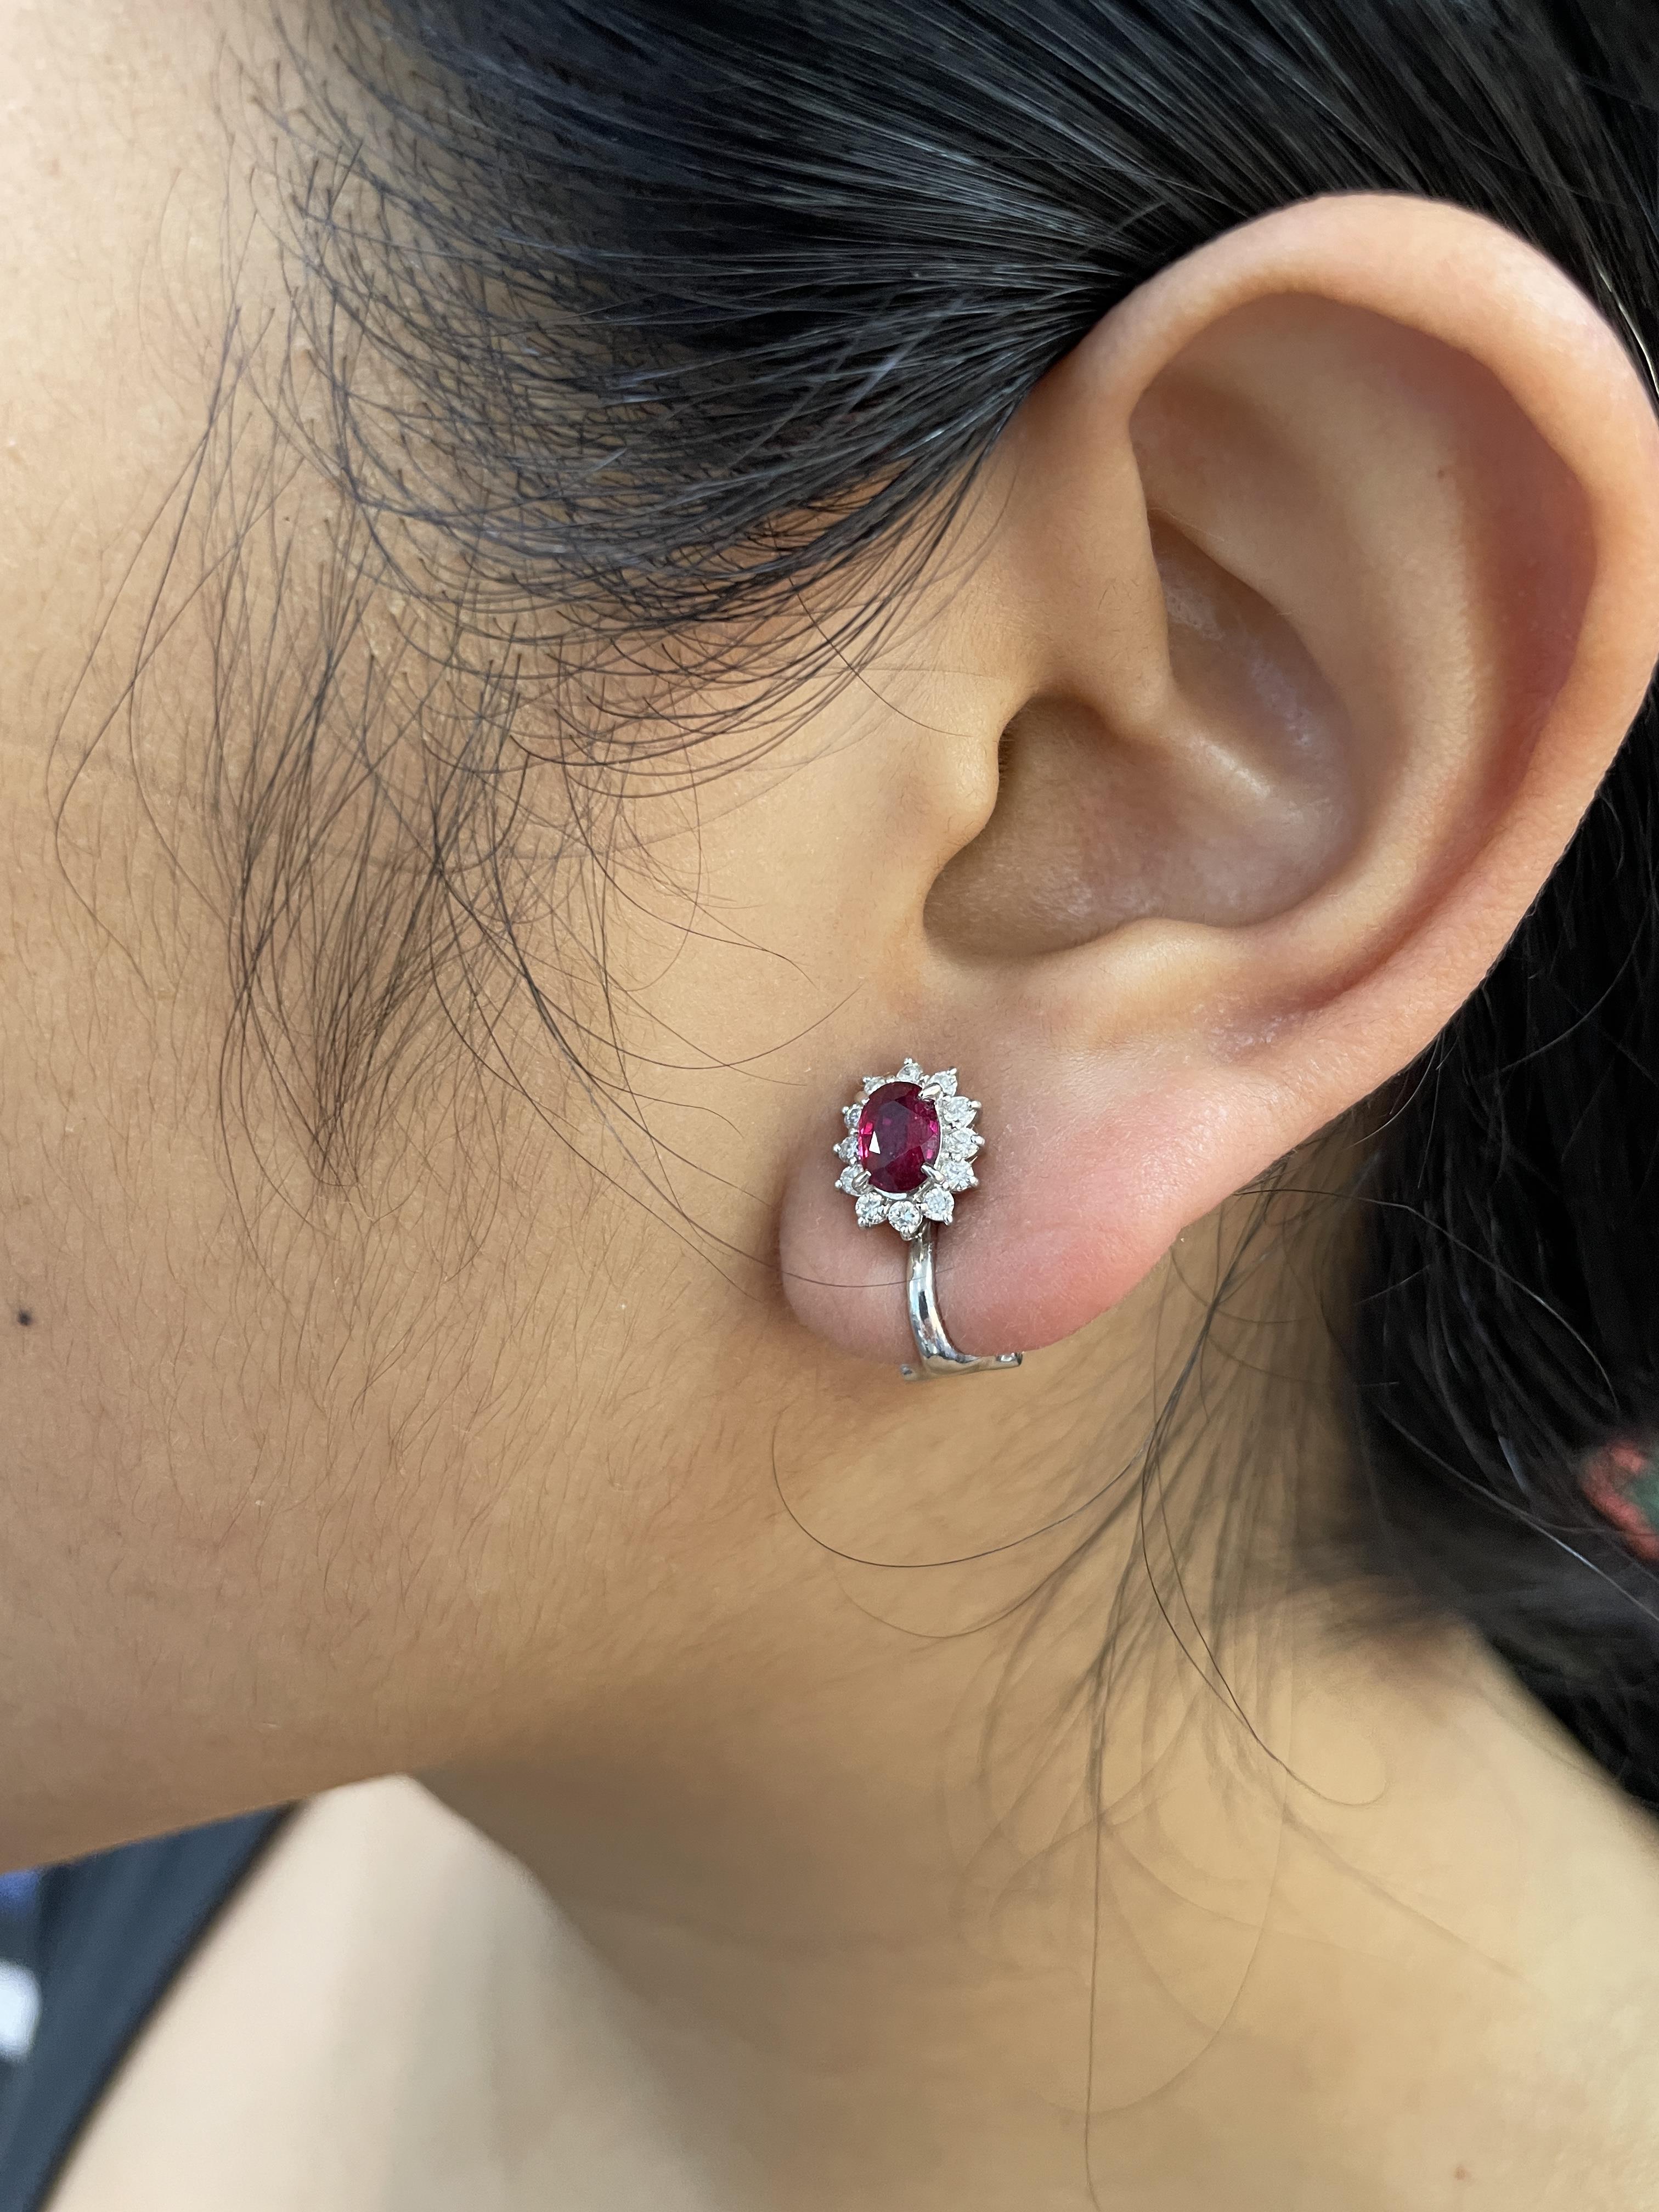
{"x":935,"y":1353}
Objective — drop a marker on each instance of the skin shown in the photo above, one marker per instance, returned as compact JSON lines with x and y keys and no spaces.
{"x":752,"y":1864}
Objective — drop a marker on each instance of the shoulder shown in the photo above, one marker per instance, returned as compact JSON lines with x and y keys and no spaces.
{"x":268,"y":2074}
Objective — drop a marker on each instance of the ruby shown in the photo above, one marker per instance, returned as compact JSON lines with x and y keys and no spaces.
{"x":898,"y":1136}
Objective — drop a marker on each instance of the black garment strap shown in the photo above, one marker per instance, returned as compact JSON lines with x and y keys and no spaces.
{"x":112,"y":1932}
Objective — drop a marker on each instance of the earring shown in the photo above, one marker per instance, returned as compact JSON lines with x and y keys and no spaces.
{"x":1622,"y":1484}
{"x":908,"y":1155}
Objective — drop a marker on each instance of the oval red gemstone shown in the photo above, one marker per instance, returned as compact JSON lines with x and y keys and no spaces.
{"x":898,"y":1136}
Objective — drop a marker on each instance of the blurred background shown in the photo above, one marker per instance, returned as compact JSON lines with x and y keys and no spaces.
{"x":20,"y":1992}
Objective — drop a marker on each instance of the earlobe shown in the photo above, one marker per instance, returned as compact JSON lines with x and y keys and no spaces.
{"x":1320,"y":586}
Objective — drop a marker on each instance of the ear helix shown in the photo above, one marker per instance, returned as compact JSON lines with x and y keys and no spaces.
{"x":908,"y":1155}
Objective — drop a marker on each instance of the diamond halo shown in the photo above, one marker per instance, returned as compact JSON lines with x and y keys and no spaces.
{"x":933,"y":1181}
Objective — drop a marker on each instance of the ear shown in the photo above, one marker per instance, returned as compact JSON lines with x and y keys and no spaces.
{"x":1310,"y":597}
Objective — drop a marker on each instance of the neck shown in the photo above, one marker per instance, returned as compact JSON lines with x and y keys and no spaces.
{"x":917,"y":1905}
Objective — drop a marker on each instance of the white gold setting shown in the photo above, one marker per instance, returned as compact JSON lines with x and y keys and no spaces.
{"x":947,"y":1175}
{"x":927,"y":1204}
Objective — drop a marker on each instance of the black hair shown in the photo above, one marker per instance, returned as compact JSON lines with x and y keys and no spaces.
{"x":699,"y":301}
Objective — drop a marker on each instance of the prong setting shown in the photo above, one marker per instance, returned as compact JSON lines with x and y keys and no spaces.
{"x":908,"y":1157}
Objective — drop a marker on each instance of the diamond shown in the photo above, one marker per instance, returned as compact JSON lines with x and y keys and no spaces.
{"x":958,"y":1110}
{"x":852,"y":1180}
{"x":944,"y":1082}
{"x":850,"y":1116}
{"x":898,"y":1136}
{"x":938,"y":1205}
{"x":955,"y":1175}
{"x":910,"y":1072}
{"x":848,"y":1150}
{"x":872,"y":1209}
{"x":906,"y":1218}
